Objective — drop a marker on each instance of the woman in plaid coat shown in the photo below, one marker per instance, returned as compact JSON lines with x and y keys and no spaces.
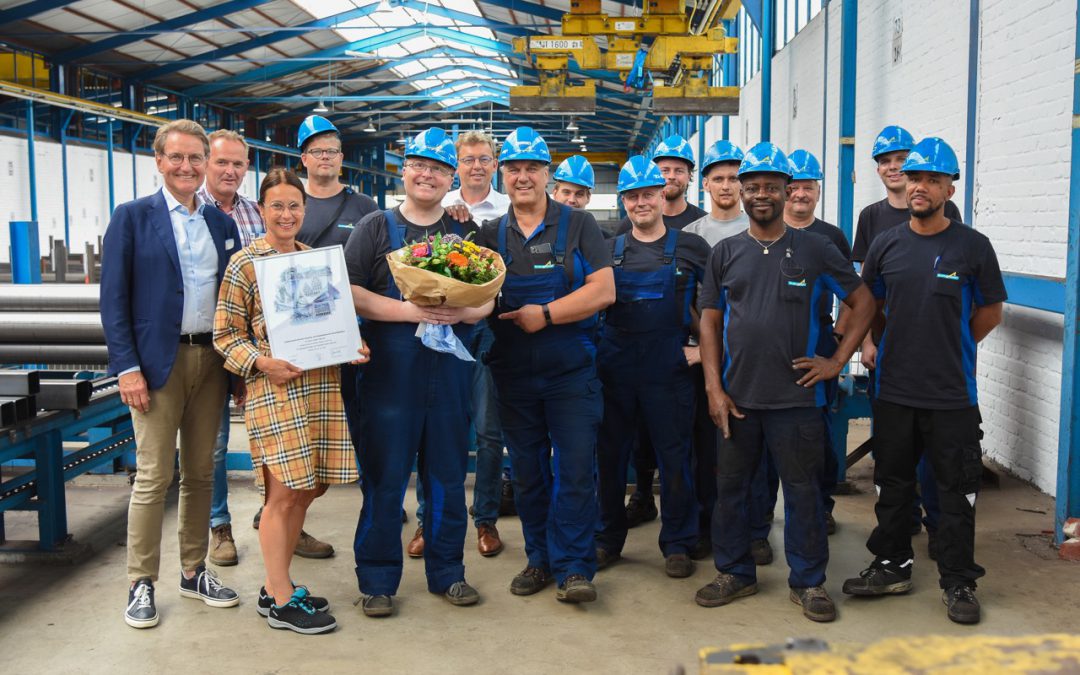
{"x":295,"y":419}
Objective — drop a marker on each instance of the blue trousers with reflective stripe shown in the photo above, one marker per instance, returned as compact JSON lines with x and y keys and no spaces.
{"x":415,"y":407}
{"x":793,"y":438}
{"x":550,"y":425}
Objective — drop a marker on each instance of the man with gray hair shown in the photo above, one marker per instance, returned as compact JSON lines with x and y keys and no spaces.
{"x":163,"y":260}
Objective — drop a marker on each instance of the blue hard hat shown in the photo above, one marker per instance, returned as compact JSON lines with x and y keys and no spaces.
{"x":524,"y":143}
{"x":434,"y":144}
{"x":674,"y":147}
{"x":577,"y":170}
{"x":765,"y":157}
{"x":891,"y":139}
{"x":311,"y":126}
{"x":804,"y":166}
{"x":932,"y":154}
{"x":639,"y":172}
{"x":721,"y":151}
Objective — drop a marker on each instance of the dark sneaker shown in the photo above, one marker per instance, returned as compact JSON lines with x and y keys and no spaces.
{"x":299,"y":616}
{"x":702,"y":549}
{"x":267,"y":601}
{"x":678,"y":566}
{"x":576,"y":588}
{"x":830,"y":523}
{"x":931,"y":544}
{"x":962,"y":603}
{"x":815,"y":602}
{"x":761,"y":551}
{"x":377,"y":605}
{"x":723,"y":589}
{"x":461,"y":594}
{"x":881,"y":578}
{"x":205,"y":586}
{"x":141,"y":612}
{"x":507,"y":507}
{"x":640,"y":509}
{"x":529,"y":580}
{"x":605,"y":558}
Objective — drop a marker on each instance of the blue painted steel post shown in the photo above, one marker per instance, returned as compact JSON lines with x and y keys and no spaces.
{"x":1068,"y":482}
{"x":33,"y":161}
{"x":824,"y":106}
{"x":700,"y":156}
{"x":52,"y":511}
{"x":25,"y":252}
{"x":68,"y":114}
{"x":848,"y":35}
{"x":112,"y":176}
{"x":768,"y":42}
{"x":134,"y":164}
{"x":380,"y":185}
{"x":258,"y":162}
{"x":972,"y":110}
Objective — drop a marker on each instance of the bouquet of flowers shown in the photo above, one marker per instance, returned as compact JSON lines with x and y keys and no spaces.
{"x":446,"y":270}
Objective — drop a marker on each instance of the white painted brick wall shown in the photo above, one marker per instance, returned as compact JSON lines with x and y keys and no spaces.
{"x":1022,"y":164}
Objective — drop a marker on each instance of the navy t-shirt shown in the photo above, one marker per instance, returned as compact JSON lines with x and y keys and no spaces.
{"x":931,"y":286}
{"x":689,"y":215}
{"x":317,"y":230}
{"x":769,"y":305}
{"x":880,"y":217}
{"x":365,"y":252}
{"x":836,"y":236}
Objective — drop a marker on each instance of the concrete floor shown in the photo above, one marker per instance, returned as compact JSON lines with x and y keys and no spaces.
{"x":69,"y":618}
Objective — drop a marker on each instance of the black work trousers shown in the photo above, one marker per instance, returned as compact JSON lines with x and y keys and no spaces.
{"x":951,"y":441}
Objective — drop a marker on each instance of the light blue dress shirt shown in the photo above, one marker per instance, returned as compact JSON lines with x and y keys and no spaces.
{"x":198,"y":264}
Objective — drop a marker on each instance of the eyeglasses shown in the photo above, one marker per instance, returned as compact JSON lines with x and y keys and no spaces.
{"x":421,"y":167}
{"x":327,"y":153}
{"x":176,"y":159}
{"x":484,"y":161}
{"x":279,"y":207}
{"x":753,"y":189}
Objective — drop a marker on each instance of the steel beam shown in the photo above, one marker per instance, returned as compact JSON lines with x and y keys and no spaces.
{"x":768,"y":47}
{"x":849,"y":30}
{"x":19,"y":382}
{"x":29,"y":9}
{"x":64,"y":394}
{"x":972,"y":112}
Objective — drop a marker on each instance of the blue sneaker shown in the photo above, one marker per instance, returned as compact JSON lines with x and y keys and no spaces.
{"x":141,"y":612}
{"x":299,"y":616}
{"x":205,"y":586}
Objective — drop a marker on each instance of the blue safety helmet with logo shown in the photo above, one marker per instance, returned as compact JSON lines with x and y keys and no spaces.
{"x":674,"y":147}
{"x":313,"y":125}
{"x":639,"y":172}
{"x":765,"y":157}
{"x":804,"y":166}
{"x":932,"y":154}
{"x":721,"y":151}
{"x":891,"y":139}
{"x":524,"y":144}
{"x":433,"y":144}
{"x":577,"y":170}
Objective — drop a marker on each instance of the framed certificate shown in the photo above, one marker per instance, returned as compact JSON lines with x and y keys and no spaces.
{"x":308,"y":307}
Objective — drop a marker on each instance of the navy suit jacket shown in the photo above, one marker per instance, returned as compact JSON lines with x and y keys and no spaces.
{"x":142,"y":291}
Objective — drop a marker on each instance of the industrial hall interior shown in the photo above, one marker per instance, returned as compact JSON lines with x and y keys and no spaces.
{"x":540,"y":336}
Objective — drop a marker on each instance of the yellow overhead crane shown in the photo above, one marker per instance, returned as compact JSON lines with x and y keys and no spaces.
{"x":663,"y":25}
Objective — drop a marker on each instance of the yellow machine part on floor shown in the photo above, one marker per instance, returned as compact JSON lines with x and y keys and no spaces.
{"x":937,"y":655}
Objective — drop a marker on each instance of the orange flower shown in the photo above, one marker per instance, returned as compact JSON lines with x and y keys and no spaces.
{"x":457,"y":259}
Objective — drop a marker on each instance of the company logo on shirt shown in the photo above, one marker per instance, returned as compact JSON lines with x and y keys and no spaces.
{"x":345,"y":226}
{"x":951,"y":276}
{"x":545,"y":266}
{"x":801,"y":283}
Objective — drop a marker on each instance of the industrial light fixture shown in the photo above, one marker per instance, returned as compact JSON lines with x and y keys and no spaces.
{"x":577,"y":139}
{"x":572,"y":126}
{"x":370,"y":128}
{"x":321,"y":108}
{"x":584,"y":148}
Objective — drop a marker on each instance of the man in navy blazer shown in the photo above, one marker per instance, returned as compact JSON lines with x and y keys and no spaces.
{"x":162,"y":262}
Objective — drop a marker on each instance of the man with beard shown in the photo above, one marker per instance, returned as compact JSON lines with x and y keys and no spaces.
{"x":758,"y":331}
{"x":939,"y":292}
{"x":720,"y":178}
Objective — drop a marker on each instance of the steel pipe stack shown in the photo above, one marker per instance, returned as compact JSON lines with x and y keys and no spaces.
{"x":50,"y":324}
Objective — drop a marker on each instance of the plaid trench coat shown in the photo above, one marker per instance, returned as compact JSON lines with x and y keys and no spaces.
{"x":297,"y":430}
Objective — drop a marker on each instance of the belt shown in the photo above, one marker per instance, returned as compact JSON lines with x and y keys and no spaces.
{"x":197,"y":339}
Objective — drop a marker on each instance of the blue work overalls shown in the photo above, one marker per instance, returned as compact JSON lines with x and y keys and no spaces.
{"x":646,"y":379}
{"x":550,"y":407}
{"x":414,"y":400}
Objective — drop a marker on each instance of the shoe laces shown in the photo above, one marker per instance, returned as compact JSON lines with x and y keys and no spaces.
{"x":813,"y":593}
{"x":301,"y":600}
{"x":533,"y":572}
{"x":142,"y":596}
{"x":962,"y":593}
{"x":574,"y":578}
{"x":212,"y":581}
{"x":457,"y":589}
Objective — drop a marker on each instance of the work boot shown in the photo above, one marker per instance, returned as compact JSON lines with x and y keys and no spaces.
{"x":605,"y":558}
{"x":487,"y":540}
{"x":308,"y":546}
{"x":962,"y":603}
{"x":830,"y":523}
{"x":723,"y":589}
{"x":222,"y":546}
{"x":529,"y":580}
{"x":678,"y":566}
{"x":576,"y":588}
{"x":881,"y":578}
{"x":461,"y":594}
{"x":640,"y":509}
{"x":816,"y":603}
{"x":377,"y":605}
{"x":415,"y":549}
{"x":761,"y":551}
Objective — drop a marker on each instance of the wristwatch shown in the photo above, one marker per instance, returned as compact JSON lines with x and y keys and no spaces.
{"x":547,"y":314}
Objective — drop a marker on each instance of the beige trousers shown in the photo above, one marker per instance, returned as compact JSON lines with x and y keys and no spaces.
{"x":190,"y":403}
